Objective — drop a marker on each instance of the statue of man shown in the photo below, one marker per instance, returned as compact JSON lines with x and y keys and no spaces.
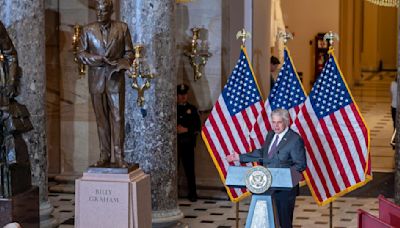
{"x":9,"y":67}
{"x":106,"y":47}
{"x":14,"y":120}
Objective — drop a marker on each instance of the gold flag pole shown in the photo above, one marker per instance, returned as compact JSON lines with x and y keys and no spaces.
{"x":242,"y":34}
{"x":237,"y":214}
{"x":331,"y":37}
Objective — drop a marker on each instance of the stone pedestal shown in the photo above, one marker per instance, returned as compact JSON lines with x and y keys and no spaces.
{"x":113,"y":200}
{"x":22,"y":208}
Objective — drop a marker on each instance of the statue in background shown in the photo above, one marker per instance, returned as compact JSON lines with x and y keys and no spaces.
{"x":106,"y":47}
{"x":15,"y":172}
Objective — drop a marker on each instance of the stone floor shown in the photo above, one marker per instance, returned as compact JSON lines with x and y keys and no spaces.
{"x":373,"y":98}
{"x":222,"y":213}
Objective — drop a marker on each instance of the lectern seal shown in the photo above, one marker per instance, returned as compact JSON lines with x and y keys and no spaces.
{"x":258,"y":179}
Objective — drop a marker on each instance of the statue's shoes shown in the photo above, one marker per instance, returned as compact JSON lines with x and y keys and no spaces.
{"x":101,"y":163}
{"x":121,"y":164}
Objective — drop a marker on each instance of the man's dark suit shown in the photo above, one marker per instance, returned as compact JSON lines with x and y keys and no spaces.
{"x":290,"y":152}
{"x":99,"y":47}
{"x":189,"y":118}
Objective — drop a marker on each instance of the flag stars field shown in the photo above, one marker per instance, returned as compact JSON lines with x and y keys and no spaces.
{"x":229,"y":124}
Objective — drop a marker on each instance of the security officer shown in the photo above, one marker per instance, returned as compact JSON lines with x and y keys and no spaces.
{"x":188,"y":126}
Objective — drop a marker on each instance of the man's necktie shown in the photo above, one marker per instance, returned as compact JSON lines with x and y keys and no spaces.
{"x":272,"y":151}
{"x":104,"y":33}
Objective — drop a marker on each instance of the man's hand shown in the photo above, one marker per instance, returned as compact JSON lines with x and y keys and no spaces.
{"x":91,"y":59}
{"x":110,"y":62}
{"x":11,"y":91}
{"x":180,"y":129}
{"x":233,"y":157}
{"x":120,"y":64}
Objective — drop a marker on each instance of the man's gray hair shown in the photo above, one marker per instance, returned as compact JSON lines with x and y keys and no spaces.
{"x":282,"y":113}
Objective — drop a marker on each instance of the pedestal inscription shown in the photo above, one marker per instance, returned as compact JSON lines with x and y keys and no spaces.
{"x":99,"y":200}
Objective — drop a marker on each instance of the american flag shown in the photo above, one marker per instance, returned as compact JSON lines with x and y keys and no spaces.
{"x":335,"y":136}
{"x":287,"y":93}
{"x":229,"y":124}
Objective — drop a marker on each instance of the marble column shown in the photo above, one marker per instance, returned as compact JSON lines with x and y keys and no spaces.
{"x":151,"y":131}
{"x":24,"y":21}
{"x":397,"y":151}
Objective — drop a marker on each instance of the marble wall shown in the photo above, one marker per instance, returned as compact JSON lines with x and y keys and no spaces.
{"x":205,"y":91}
{"x":79,"y":142}
{"x":324,"y":18}
{"x":71,"y":124}
{"x":207,"y":16}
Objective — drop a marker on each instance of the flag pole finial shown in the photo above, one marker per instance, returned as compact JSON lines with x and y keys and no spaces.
{"x":330,"y":37}
{"x":244,"y":35}
{"x":285,"y":36}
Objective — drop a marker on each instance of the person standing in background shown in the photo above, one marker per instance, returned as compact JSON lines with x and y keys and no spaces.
{"x":393,"y":92}
{"x":188,"y":126}
{"x":274,"y":64}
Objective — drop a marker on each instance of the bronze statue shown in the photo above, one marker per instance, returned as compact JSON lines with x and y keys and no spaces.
{"x":106,"y":47}
{"x":9,"y":62}
{"x":15,"y":172}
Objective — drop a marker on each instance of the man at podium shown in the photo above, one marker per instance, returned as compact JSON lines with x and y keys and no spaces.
{"x":283,"y":148}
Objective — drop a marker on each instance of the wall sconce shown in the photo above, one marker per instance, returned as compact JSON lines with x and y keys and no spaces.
{"x":75,"y":48}
{"x":197,"y":56}
{"x":140,"y":72}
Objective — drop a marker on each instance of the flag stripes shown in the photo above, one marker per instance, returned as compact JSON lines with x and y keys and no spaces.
{"x":335,"y":136}
{"x":228,"y":126}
